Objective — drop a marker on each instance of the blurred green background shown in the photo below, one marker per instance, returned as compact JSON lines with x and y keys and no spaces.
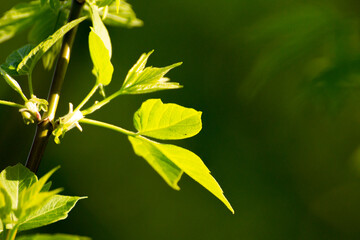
{"x":278,"y":83}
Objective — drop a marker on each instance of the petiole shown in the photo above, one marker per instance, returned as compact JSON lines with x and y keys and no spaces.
{"x":108,"y":126}
{"x":86,"y":99}
{"x":11,"y":104}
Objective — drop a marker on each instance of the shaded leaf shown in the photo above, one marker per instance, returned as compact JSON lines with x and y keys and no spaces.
{"x":50,"y":56}
{"x":15,"y":58}
{"x":43,"y":27}
{"x":43,"y":2}
{"x":184,"y":159}
{"x":144,"y":80}
{"x":36,"y":53}
{"x":118,"y":13}
{"x":18,"y":18}
{"x":54,"y":4}
{"x":166,"y":121}
{"x":103,"y":68}
{"x":160,"y":162}
{"x":288,"y":42}
{"x":55,"y":209}
{"x":52,"y":237}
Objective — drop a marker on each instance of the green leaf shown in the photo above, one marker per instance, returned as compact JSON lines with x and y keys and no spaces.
{"x":118,"y":15}
{"x":33,"y":196}
{"x":166,"y":121}
{"x":103,"y":3}
{"x":28,"y":63}
{"x":14,"y":180}
{"x":54,"y":4}
{"x":184,"y":159}
{"x":15,"y":58}
{"x":160,"y":162}
{"x":103,"y":68}
{"x":18,"y":18}
{"x":52,"y":237}
{"x":55,"y":209}
{"x":117,"y":6}
{"x":46,"y":25}
{"x":145,"y":80}
{"x":44,"y":28}
{"x":31,"y":205}
{"x":43,"y":2}
{"x":46,"y":187}
{"x":13,"y":83}
{"x":100,"y":29}
{"x":5,"y":204}
{"x":50,"y":56}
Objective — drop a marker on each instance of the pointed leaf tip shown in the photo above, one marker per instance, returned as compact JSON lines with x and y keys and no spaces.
{"x":181,"y":160}
{"x":141,"y":80}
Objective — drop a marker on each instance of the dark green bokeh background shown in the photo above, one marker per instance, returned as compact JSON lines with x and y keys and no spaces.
{"x":278,"y":83}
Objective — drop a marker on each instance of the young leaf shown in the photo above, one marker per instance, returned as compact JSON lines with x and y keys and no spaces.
{"x":184,"y":159}
{"x":166,"y":121}
{"x":46,"y":187}
{"x":101,"y":59}
{"x":28,"y":63}
{"x":13,"y":83}
{"x":103,"y":3}
{"x":54,"y":4}
{"x":160,"y":162}
{"x":144,"y":80}
{"x":18,"y":18}
{"x":52,"y":237}
{"x":15,"y":58}
{"x":33,"y":195}
{"x":117,"y":15}
{"x":15,"y":180}
{"x":100,"y":29}
{"x":31,"y":205}
{"x":55,"y":209}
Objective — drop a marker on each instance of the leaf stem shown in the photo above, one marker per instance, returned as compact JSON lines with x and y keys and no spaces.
{"x":45,"y":127}
{"x":11,"y":234}
{"x":30,"y":85}
{"x":108,"y":126}
{"x":11,"y":104}
{"x":98,"y":105}
{"x":86,"y":99}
